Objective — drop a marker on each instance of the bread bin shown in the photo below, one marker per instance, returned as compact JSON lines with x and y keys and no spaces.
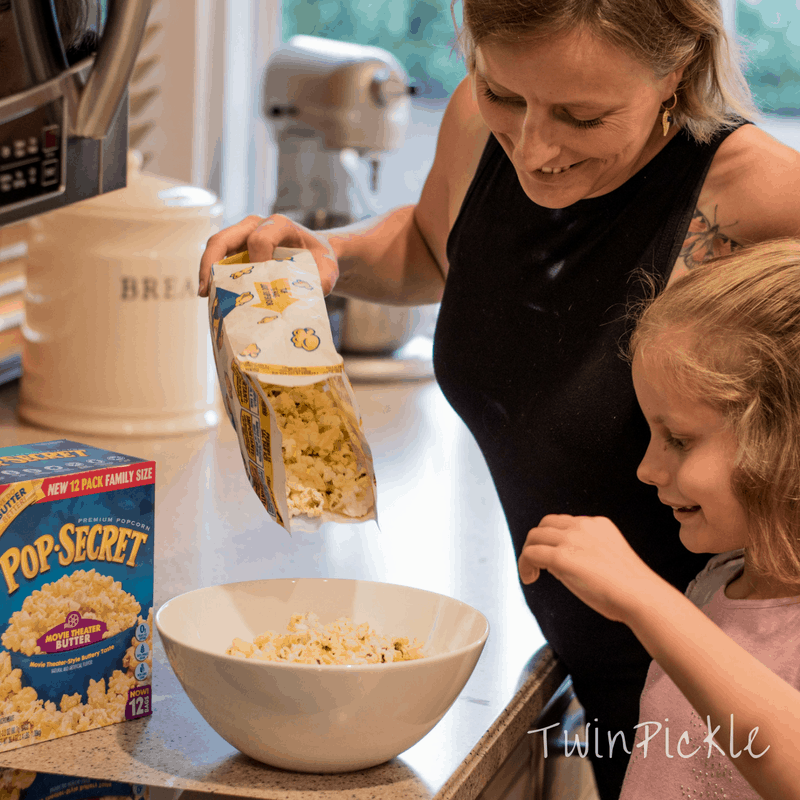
{"x":116,"y":340}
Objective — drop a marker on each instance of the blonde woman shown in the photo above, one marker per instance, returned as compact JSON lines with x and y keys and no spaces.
{"x":591,"y":139}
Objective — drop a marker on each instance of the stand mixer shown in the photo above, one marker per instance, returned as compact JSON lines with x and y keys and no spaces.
{"x":334,"y":108}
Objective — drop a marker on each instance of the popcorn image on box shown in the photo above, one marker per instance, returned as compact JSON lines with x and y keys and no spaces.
{"x":76,"y":594}
{"x":286,"y":392}
{"x":22,"y":784}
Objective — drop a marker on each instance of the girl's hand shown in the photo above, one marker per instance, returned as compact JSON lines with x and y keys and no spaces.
{"x":260,"y":237}
{"x":592,"y":559}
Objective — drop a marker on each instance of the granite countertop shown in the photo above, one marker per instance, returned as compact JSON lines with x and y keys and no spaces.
{"x":441,"y":529}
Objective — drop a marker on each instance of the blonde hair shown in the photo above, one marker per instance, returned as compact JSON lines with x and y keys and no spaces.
{"x":728,"y":335}
{"x":664,"y":35}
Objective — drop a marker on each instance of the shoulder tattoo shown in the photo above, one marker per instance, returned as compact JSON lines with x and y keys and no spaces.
{"x":704,"y":240}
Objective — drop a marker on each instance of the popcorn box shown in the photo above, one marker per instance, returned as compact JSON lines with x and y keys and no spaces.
{"x":22,"y":784}
{"x":286,"y":392}
{"x":76,"y":595}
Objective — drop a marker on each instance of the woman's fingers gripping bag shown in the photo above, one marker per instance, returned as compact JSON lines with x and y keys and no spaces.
{"x":286,"y":393}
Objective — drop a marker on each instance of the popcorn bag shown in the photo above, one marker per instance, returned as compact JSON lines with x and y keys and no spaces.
{"x":286,"y":393}
{"x":76,"y":605}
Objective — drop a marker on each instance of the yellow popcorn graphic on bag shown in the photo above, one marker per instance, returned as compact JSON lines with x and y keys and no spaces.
{"x":251,"y":351}
{"x":306,"y":338}
{"x":287,"y":395}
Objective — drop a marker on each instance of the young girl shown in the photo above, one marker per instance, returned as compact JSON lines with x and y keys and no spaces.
{"x":716,"y":368}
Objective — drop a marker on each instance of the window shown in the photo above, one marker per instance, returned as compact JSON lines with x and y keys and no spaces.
{"x":419,"y":33}
{"x":771,"y":33}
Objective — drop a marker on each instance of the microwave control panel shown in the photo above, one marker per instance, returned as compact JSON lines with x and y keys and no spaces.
{"x":32,"y":149}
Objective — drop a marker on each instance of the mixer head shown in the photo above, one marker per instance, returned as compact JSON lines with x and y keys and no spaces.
{"x":349,"y":95}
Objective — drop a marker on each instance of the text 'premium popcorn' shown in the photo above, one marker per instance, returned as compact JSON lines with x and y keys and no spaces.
{"x":76,"y":590}
{"x":286,"y":393}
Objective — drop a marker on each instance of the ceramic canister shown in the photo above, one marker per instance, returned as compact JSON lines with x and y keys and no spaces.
{"x":116,"y":340}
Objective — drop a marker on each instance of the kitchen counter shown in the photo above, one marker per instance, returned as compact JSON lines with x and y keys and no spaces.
{"x":441,"y":529}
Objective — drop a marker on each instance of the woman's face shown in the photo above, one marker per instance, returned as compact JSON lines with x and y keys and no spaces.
{"x":576,"y":116}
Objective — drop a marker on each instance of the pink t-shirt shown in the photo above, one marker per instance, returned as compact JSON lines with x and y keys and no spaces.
{"x":675,"y":762}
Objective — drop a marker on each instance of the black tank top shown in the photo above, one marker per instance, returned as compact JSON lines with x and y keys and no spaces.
{"x":527,"y":351}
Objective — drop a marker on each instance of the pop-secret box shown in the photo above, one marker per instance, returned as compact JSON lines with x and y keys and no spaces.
{"x":76,"y":590}
{"x":22,"y":784}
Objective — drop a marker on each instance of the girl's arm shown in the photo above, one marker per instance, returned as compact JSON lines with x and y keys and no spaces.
{"x":722,"y":680}
{"x":717,"y":676}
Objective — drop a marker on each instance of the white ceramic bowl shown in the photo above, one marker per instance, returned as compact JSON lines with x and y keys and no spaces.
{"x":313,"y":718}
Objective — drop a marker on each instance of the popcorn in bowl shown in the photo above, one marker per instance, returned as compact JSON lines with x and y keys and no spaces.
{"x":307,"y":641}
{"x":311,"y":718}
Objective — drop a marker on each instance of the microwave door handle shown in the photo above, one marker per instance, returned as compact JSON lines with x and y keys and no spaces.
{"x":24,"y":102}
{"x":37,"y":29}
{"x":105,"y":87}
{"x":43,"y":51}
{"x":93,"y":103}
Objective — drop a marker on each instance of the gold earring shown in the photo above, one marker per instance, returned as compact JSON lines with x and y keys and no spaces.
{"x":666,"y":117}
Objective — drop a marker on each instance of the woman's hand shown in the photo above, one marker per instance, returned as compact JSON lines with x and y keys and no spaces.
{"x":592,"y":559}
{"x":260,"y":237}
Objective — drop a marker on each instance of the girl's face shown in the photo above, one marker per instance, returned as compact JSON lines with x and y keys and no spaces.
{"x":576,"y":116}
{"x":690,"y":460}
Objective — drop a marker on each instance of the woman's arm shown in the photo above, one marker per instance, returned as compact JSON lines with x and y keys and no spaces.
{"x":751,"y":194}
{"x":717,"y":676}
{"x":397,"y":258}
{"x":387,"y":259}
{"x":384,"y":258}
{"x":752,"y":190}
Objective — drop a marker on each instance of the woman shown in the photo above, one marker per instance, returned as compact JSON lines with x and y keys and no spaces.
{"x":592,"y":139}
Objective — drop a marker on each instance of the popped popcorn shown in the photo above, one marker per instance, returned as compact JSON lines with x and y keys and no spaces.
{"x":322,"y":471}
{"x":307,"y":641}
{"x":90,"y":593}
{"x":13,"y":781}
{"x":18,"y":783}
{"x":104,"y":705}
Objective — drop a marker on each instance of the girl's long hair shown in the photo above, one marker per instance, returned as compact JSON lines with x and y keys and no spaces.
{"x":728,"y":334}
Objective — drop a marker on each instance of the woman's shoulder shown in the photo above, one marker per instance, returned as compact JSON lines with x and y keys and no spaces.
{"x":462,"y":139}
{"x":752,"y":190}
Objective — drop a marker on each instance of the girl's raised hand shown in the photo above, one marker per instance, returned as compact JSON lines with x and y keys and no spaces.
{"x":592,"y":559}
{"x":260,"y":237}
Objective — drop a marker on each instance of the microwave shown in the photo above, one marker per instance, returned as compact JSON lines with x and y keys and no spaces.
{"x":64,"y":72}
